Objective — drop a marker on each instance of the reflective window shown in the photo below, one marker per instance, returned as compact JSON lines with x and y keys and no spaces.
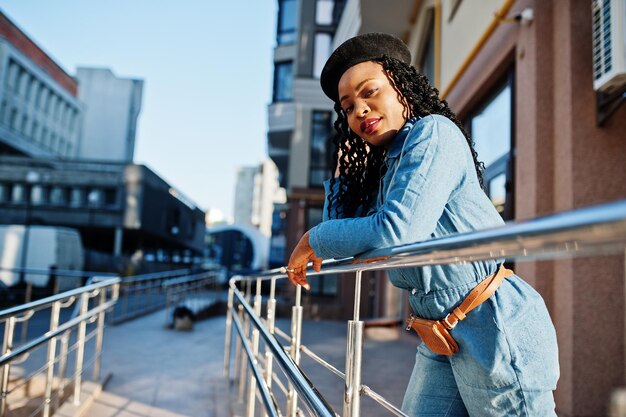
{"x":490,"y":126}
{"x":58,"y":195}
{"x":38,"y":195}
{"x":321,"y":147}
{"x":18,"y":194}
{"x":322,"y":50}
{"x":427,"y":60}
{"x":287,"y":22}
{"x":77,"y":197}
{"x":283,"y":81}
{"x":324,"y":12}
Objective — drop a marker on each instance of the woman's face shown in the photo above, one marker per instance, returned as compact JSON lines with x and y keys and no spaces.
{"x":371,"y":104}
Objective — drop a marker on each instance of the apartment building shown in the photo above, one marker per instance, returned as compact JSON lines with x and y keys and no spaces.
{"x":540,"y":86}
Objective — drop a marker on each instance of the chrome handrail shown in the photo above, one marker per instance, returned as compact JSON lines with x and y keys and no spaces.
{"x":10,"y":354}
{"x":594,"y":230}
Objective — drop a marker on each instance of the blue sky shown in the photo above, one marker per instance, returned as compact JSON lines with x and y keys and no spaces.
{"x":206,"y":66}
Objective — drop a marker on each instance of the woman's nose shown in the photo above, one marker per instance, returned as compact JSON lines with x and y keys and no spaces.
{"x":362,"y":109}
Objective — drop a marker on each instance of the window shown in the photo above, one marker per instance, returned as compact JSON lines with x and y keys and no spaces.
{"x":77,"y":197}
{"x":283,"y":81}
{"x":491,"y":128}
{"x":18,"y":193}
{"x":13,"y":120}
{"x":324,"y":12}
{"x":5,"y":192}
{"x":319,"y":162}
{"x":39,"y":195}
{"x":287,"y":22}
{"x":427,"y":57}
{"x":58,"y":196}
{"x":321,"y":52}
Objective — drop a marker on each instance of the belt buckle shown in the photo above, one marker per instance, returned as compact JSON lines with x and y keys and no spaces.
{"x":409,"y":322}
{"x":447,"y":324}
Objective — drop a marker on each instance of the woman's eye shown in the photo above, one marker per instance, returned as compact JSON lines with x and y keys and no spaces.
{"x":370,"y":92}
{"x":348,"y":109}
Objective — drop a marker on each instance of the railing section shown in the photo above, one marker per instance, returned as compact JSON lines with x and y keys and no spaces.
{"x":36,"y":376}
{"x":590,"y":231}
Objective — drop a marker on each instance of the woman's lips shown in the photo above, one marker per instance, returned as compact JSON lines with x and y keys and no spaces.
{"x":369,"y":125}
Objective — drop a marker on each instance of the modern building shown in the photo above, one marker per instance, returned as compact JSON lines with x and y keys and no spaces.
{"x":40,"y":112}
{"x":128,"y":216}
{"x":105,"y":98}
{"x":256,"y":192}
{"x":540,"y":87}
{"x":66,"y":151}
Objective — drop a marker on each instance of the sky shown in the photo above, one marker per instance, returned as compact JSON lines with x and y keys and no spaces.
{"x":206,"y":66}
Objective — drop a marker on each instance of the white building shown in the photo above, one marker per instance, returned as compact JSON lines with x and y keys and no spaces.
{"x":40,"y":113}
{"x":111,"y":108}
{"x":256,"y":191}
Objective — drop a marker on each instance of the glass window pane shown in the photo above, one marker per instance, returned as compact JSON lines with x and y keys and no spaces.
{"x":283,"y":81}
{"x":324,"y":12}
{"x":319,"y":162}
{"x":497,"y":192}
{"x":18,"y":194}
{"x":287,"y":19}
{"x":322,"y":50}
{"x":491,"y":128}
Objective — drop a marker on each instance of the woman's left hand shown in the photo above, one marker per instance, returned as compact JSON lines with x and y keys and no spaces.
{"x":300,"y":257}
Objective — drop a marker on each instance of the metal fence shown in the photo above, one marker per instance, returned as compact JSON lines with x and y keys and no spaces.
{"x":144,"y":294}
{"x":589,"y":231}
{"x":53,"y":372}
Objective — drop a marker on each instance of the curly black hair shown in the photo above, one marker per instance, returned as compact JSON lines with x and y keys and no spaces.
{"x":361,"y":165}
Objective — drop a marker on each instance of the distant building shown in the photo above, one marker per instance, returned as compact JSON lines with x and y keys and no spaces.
{"x":122,"y":211}
{"x":256,"y":191}
{"x":40,"y":113}
{"x":66,"y":152}
{"x":111,"y":108}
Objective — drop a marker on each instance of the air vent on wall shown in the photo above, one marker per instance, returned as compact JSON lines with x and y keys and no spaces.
{"x":609,"y":45}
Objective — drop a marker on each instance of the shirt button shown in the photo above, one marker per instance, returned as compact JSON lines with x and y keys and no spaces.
{"x":413,"y":291}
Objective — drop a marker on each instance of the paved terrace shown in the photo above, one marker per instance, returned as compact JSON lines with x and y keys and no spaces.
{"x":159,"y":372}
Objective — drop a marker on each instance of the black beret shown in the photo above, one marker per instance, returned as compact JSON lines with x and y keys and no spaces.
{"x":361,"y":48}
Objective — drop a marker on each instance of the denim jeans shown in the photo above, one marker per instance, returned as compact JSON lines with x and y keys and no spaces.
{"x":507,"y":363}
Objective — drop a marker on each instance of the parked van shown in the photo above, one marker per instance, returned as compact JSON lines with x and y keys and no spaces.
{"x":49,"y":248}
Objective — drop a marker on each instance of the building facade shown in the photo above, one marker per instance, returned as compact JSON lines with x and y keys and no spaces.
{"x":66,"y":151}
{"x":528,"y":80}
{"x":128,"y":217}
{"x":40,"y":113}
{"x":106,"y":98}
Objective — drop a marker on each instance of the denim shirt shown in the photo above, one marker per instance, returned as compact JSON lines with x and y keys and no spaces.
{"x":430,"y":190}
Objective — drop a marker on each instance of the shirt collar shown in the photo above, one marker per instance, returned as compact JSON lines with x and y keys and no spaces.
{"x":396,"y":145}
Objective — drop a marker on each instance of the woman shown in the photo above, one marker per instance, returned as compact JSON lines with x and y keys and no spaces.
{"x":407,"y":171}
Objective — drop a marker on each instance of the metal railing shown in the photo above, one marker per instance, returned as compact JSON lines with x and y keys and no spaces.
{"x":589,"y":231}
{"x":144,"y":294}
{"x":92,"y":302}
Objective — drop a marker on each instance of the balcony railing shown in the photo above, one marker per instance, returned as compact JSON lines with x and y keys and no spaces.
{"x":589,"y":231}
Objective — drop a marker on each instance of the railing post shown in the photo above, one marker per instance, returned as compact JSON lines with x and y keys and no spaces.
{"x":246,"y":330}
{"x":52,"y":345}
{"x":296,"y":336}
{"x":271,"y":321}
{"x":229,"y":329}
{"x":255,"y":351}
{"x":7,"y":347}
{"x":62,"y":367}
{"x":354,"y":354}
{"x":99,"y":338}
{"x":28,"y":296}
{"x":80,"y":350}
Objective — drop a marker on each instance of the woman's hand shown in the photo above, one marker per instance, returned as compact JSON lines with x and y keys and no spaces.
{"x":300,"y":257}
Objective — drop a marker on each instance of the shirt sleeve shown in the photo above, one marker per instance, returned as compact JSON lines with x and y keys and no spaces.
{"x":432,"y":166}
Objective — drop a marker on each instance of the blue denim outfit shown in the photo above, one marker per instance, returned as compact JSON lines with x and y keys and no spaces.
{"x":507,"y":363}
